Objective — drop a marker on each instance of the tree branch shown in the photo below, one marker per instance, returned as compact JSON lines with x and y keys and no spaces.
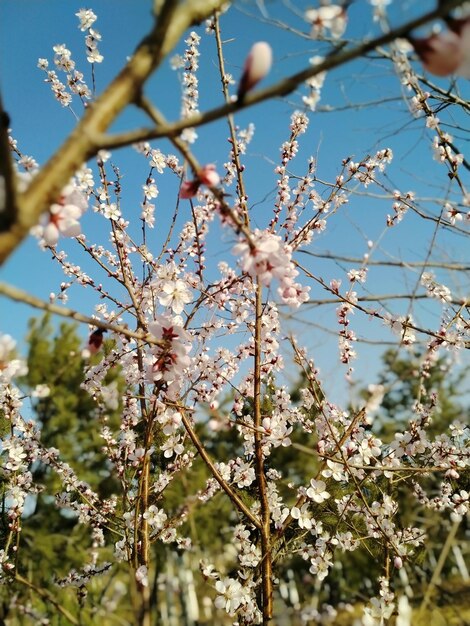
{"x":84,"y":141}
{"x":22,"y":296}
{"x":281,"y":88}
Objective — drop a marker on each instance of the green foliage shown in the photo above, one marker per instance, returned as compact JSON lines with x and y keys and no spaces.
{"x":405,"y":382}
{"x":69,"y":417}
{"x":53,"y":543}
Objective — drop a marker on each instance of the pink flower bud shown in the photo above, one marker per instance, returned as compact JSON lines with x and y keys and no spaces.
{"x":398,"y":562}
{"x":440,"y":54}
{"x":208,"y":175}
{"x":189,"y":188}
{"x":447,"y":52}
{"x":462,"y":28}
{"x":257,"y":65}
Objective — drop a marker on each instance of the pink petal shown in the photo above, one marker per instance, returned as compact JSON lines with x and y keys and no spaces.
{"x":440,"y":54}
{"x":208,"y":176}
{"x":189,"y":188}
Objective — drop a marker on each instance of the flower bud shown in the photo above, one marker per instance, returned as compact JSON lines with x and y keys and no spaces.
{"x":257,"y":65}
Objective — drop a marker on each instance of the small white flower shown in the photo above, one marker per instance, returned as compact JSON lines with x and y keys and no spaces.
{"x":329,"y":17}
{"x":317,"y":491}
{"x":175,"y":295}
{"x":63,"y":216}
{"x":141,"y":576}
{"x":87,"y":19}
{"x":157,"y":160}
{"x":155,"y":517}
{"x":232,"y":595}
{"x":111,"y":211}
{"x":41,"y":391}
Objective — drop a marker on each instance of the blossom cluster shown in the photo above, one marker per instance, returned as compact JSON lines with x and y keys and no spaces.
{"x":267,"y":259}
{"x":63,"y":217}
{"x":191,"y":373}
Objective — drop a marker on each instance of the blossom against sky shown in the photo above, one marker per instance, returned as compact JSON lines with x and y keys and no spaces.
{"x":360,"y":111}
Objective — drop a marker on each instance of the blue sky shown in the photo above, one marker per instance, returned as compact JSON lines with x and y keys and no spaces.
{"x":370,"y":115}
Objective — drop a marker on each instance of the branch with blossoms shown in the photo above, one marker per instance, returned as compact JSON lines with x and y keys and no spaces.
{"x":87,"y":140}
{"x":191,"y":338}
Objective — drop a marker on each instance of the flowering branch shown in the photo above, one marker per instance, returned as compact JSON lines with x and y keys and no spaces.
{"x":22,"y":296}
{"x":84,"y":141}
{"x":241,"y":506}
{"x":48,"y":597}
{"x":281,"y":88}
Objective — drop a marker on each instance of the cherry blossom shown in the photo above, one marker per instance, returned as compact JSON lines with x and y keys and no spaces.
{"x":168,"y":364}
{"x":231,"y":595}
{"x":63,"y":216}
{"x":205,"y":176}
{"x":447,"y":52}
{"x":269,"y":259}
{"x":330,"y":17}
{"x":10,"y":366}
{"x":202,"y":343}
{"x":317,"y":491}
{"x":175,"y":295}
{"x":87,"y":18}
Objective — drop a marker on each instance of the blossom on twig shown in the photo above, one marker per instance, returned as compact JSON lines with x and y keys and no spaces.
{"x":207,"y":175}
{"x":447,"y":52}
{"x":330,"y":17}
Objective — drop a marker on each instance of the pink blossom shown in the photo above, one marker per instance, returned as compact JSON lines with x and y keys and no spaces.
{"x":174,"y":293}
{"x":189,"y":189}
{"x":63,"y":216}
{"x":447,"y":52}
{"x":267,"y":260}
{"x":257,"y":65}
{"x":271,"y":258}
{"x":462,"y":28}
{"x":169,"y":363}
{"x":207,"y":175}
{"x":398,"y":562}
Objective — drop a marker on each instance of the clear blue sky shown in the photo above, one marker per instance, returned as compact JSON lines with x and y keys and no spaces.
{"x":29,"y":29}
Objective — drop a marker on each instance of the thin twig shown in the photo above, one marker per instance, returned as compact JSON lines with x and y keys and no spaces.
{"x":22,"y":296}
{"x":281,"y":88}
{"x":241,"y":506}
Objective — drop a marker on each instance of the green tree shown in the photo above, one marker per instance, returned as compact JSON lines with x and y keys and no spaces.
{"x":70,"y":419}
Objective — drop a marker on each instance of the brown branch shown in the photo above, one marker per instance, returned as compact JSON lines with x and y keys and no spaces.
{"x":8,"y":212}
{"x":231,"y":124}
{"x":238,"y":502}
{"x":22,"y":296}
{"x":84,"y":141}
{"x":281,"y":88}
{"x":406,"y":264}
{"x":48,"y":597}
{"x":382,"y":297}
{"x":266,"y":548}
